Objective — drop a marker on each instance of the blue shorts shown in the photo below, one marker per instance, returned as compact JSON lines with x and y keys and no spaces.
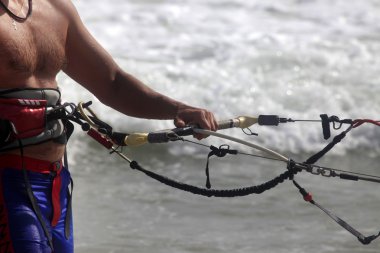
{"x":20,"y":229}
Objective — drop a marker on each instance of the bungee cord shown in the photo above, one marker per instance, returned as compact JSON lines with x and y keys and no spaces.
{"x":113,"y":141}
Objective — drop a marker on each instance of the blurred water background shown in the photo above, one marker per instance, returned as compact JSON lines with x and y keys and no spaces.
{"x":293,"y":58}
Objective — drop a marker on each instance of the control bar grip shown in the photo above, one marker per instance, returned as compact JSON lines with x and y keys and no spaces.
{"x":170,"y":135}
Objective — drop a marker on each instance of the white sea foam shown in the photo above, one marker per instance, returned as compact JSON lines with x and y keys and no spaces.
{"x":297,"y":59}
{"x":294,"y":58}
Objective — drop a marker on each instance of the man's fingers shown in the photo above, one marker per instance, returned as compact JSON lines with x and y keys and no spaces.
{"x":202,"y":118}
{"x":208,"y":121}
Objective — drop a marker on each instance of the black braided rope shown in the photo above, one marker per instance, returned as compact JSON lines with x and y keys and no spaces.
{"x":257,"y":189}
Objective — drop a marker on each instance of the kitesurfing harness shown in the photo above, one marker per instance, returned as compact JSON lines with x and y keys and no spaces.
{"x":29,"y":117}
{"x":24,"y":115}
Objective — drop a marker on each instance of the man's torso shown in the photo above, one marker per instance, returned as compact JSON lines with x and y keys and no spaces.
{"x":31,"y":55}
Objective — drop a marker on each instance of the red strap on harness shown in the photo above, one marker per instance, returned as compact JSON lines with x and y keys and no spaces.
{"x":27,"y":116}
{"x":55,"y":194}
{"x":41,"y":166}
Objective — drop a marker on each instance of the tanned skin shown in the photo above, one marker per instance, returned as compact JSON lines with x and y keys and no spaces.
{"x":54,"y":38}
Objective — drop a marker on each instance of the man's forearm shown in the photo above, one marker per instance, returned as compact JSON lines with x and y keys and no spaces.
{"x":130,"y":96}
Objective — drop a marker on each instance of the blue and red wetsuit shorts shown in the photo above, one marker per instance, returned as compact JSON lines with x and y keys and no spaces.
{"x":21,"y":230}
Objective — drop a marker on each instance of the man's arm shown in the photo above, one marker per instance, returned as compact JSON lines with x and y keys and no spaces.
{"x":91,"y":66}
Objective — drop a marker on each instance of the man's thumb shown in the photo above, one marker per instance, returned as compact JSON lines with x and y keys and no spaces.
{"x":179,"y":122}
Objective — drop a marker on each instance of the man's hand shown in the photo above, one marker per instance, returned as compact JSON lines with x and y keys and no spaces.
{"x":187,"y":115}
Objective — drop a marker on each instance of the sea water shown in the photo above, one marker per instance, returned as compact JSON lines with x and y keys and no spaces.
{"x":293,"y":58}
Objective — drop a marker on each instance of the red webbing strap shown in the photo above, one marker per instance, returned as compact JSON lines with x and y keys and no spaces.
{"x":15,"y":162}
{"x":35,"y":165}
{"x":55,"y":193}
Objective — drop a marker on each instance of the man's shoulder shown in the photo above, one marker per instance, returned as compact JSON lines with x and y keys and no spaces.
{"x":65,"y":7}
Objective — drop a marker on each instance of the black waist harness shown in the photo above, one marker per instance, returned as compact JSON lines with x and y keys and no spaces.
{"x":24,"y":116}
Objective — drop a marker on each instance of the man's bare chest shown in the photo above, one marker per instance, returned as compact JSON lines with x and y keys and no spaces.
{"x":36,"y":46}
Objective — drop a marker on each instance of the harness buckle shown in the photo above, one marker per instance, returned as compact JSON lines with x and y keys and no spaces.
{"x":55,"y":168}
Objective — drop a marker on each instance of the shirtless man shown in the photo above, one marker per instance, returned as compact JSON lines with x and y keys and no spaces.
{"x":32,"y":51}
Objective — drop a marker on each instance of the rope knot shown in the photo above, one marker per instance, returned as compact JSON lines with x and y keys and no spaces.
{"x":222,"y":151}
{"x":293,"y":170}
